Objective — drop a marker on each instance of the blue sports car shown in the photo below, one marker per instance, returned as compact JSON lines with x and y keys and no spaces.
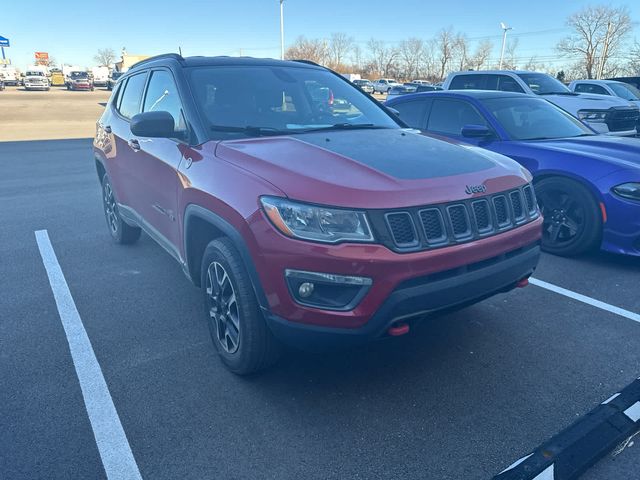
{"x":588,"y":185}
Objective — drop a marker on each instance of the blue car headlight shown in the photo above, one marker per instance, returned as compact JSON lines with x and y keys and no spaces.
{"x":629,"y":190}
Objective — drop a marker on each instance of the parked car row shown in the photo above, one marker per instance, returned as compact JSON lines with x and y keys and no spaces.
{"x":587,"y":184}
{"x":74,"y":80}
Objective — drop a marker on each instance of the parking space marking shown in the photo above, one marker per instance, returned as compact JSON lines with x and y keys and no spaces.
{"x":588,"y":300}
{"x":113,"y":446}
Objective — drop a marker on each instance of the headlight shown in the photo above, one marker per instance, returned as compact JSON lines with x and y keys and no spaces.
{"x":628,"y":190}
{"x":592,"y":115}
{"x":313,"y":222}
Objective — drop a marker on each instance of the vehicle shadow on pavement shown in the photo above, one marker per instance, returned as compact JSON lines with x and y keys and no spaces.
{"x":625,"y":262}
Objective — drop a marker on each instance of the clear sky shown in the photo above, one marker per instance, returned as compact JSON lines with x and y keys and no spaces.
{"x":72,"y":31}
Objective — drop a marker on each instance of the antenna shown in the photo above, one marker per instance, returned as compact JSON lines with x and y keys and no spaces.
{"x":180,"y":50}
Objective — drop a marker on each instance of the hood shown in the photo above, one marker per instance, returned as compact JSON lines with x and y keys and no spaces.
{"x":35,"y":77}
{"x":618,"y":152}
{"x":387,"y":168}
{"x":574,"y":103}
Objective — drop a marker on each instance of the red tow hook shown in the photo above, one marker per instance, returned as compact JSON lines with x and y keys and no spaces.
{"x":523,"y":283}
{"x":398,"y":329}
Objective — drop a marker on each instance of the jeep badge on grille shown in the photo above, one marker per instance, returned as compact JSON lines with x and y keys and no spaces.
{"x":471,"y":189}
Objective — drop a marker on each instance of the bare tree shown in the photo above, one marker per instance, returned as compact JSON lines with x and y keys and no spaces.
{"x":339,"y":46}
{"x":461,"y":49}
{"x":633,"y":66}
{"x":411,"y":52}
{"x":481,"y":54}
{"x":598,"y":33}
{"x":356,"y":58}
{"x":445,"y":48}
{"x":313,"y":49}
{"x":383,"y":57}
{"x":105,"y":57}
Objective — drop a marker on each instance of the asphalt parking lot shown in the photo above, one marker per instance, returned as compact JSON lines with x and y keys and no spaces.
{"x":56,"y":114}
{"x":462,"y":397}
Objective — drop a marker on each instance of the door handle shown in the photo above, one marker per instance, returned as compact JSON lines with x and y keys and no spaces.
{"x":107,"y":128}
{"x":134,"y":144}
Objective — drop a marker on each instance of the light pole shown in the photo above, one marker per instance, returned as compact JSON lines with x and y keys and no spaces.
{"x":281,"y":29}
{"x":505,"y":29}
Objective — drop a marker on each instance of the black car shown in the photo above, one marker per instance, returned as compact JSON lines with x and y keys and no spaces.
{"x":113,"y":78}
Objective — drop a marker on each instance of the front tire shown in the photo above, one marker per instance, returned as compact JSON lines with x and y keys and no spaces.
{"x":572,"y":220}
{"x":120,"y":231}
{"x":238,"y":330}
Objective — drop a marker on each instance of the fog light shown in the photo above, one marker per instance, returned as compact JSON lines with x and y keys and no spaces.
{"x":328,"y":291}
{"x":305,"y":290}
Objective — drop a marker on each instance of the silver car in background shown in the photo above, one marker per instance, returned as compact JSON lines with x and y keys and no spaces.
{"x":383,"y":85}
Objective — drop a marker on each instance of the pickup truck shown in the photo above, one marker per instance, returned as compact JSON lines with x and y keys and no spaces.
{"x":605,"y":115}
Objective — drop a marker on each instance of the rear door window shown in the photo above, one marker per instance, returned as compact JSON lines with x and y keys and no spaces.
{"x":507,"y":84}
{"x":591,"y":88}
{"x":468,"y":82}
{"x":413,"y":113}
{"x":448,"y":116}
{"x":129,"y":103}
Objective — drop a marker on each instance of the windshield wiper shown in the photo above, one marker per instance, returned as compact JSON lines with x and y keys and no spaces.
{"x":249,"y":129}
{"x":342,"y":126}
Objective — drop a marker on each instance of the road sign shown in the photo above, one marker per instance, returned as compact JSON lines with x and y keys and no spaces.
{"x":4,"y":42}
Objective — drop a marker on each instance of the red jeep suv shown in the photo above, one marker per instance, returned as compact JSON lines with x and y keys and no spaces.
{"x":305,"y":210}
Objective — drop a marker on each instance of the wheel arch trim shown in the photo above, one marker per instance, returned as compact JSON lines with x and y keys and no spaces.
{"x":196,"y":211}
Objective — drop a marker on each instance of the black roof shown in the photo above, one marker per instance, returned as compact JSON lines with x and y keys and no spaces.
{"x":167,"y":58}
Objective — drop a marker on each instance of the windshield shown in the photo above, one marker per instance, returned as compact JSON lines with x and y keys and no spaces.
{"x":79,"y":75}
{"x":115,"y":75}
{"x":534,"y":119}
{"x":544,"y":84}
{"x":623,"y":90}
{"x":254,"y":100}
{"x":35,"y":74}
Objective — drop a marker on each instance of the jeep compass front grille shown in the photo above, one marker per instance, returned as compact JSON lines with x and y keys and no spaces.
{"x":421,"y":228}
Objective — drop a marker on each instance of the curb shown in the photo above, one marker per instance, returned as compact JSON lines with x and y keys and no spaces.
{"x":575,"y":449}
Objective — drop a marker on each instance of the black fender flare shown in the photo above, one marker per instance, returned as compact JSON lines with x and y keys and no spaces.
{"x":228,"y":230}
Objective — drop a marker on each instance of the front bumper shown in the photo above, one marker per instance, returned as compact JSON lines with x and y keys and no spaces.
{"x":36,"y":87}
{"x":389,"y":272}
{"x":621,"y":232}
{"x":419,"y":296}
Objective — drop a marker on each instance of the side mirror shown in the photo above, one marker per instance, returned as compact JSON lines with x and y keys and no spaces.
{"x":394,"y":111}
{"x":154,"y":124}
{"x":475,"y":131}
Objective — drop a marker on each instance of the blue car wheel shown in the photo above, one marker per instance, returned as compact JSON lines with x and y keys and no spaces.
{"x":572,"y":223}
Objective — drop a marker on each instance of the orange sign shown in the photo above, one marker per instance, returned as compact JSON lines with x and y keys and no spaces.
{"x":42,"y":58}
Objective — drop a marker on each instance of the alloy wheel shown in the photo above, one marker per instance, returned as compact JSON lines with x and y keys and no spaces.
{"x":564,"y":217}
{"x":223,"y":307}
{"x":110,"y":208}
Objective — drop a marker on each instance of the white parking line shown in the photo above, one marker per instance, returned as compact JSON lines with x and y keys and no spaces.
{"x":588,"y":300}
{"x":112,"y":442}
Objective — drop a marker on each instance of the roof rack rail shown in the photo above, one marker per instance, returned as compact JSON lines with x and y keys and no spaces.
{"x":175,"y":56}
